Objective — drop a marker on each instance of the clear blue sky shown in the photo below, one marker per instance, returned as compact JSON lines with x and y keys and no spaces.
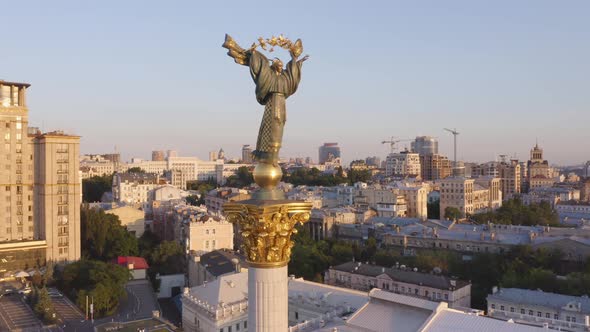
{"x":146,"y":75}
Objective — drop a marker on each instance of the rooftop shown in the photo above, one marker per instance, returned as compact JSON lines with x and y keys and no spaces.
{"x":220,"y":262}
{"x":540,"y":298}
{"x":397,"y":274}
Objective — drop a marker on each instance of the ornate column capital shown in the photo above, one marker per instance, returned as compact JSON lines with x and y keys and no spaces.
{"x":266,"y":227}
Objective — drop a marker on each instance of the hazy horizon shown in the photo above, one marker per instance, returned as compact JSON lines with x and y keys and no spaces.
{"x":146,"y":75}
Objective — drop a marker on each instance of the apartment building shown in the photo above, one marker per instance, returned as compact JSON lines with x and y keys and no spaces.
{"x":401,"y":280}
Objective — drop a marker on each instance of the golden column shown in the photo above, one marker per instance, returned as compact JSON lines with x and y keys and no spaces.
{"x":267,"y":221}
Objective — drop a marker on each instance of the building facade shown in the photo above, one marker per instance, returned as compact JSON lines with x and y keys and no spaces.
{"x":403,"y":164}
{"x":435,"y":167}
{"x":425,"y":145}
{"x":57,"y":194}
{"x":535,"y":307}
{"x":427,"y":286}
{"x":328,"y":152}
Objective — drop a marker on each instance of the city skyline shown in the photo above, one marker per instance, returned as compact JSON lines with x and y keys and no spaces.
{"x":150,"y":77}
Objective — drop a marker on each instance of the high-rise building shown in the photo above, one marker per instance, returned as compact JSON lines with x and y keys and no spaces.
{"x":171,"y":154}
{"x":329,"y":152}
{"x":509,"y":173}
{"x":470,"y":196}
{"x":539,"y":172}
{"x":403,"y":164}
{"x":158,"y":155}
{"x":425,"y":145}
{"x":435,"y":167}
{"x":246,"y":154}
{"x":57,"y":194}
{"x":40,"y":191}
{"x":212,"y":156}
{"x":16,"y":165}
{"x":373,"y":161}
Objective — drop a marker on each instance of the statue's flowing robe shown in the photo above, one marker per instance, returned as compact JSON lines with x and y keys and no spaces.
{"x":272,"y":89}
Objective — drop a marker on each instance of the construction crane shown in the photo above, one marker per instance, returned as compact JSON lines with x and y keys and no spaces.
{"x":392,"y":141}
{"x":455,"y":133}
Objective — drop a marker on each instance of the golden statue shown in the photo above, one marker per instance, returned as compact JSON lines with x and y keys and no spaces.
{"x":267,"y":221}
{"x":274,"y":84}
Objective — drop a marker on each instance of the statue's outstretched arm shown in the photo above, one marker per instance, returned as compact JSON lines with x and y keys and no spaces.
{"x":240,"y":55}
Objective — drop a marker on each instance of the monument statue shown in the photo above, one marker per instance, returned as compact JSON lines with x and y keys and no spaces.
{"x":274,"y":84}
{"x":267,"y":221}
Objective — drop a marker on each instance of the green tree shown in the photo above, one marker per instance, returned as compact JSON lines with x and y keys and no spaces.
{"x":514,"y":212}
{"x":94,"y":187}
{"x":166,"y":258}
{"x":195,"y":200}
{"x":135,"y":170}
{"x":355,"y":176}
{"x":242,"y":178}
{"x":105,"y":282}
{"x":452,"y":213}
{"x":103,"y":237}
{"x":43,"y":306}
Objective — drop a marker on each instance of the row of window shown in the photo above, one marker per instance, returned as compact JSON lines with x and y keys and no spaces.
{"x":532,"y":313}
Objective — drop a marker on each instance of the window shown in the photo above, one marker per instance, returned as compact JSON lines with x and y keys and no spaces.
{"x":297,"y":315}
{"x":493,"y":306}
{"x":555,"y":316}
{"x":547,"y":315}
{"x":573,"y":319}
{"x":229,"y":329}
{"x":511,"y":309}
{"x":502,"y":307}
{"x":446,"y":297}
{"x":245,"y":324}
{"x":207,"y":231}
{"x":522,"y":311}
{"x":568,"y":318}
{"x":237,"y":326}
{"x":539,"y":314}
{"x":531,"y":313}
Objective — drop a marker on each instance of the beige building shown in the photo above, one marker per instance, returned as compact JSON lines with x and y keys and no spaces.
{"x":40,"y":188}
{"x":386,"y":202}
{"x":510,"y":181}
{"x":208,"y":233}
{"x":470,"y":196}
{"x":435,"y":167}
{"x":16,"y":166}
{"x":416,"y":200}
{"x":130,"y":217}
{"x":57,"y":194}
{"x":133,"y":188}
{"x":403,"y":164}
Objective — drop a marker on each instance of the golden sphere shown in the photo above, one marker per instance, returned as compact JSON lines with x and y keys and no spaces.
{"x":267,"y":176}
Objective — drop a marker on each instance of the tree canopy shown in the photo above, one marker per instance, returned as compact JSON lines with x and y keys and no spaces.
{"x":103,"y":236}
{"x":452,"y":213}
{"x":313,"y":177}
{"x":514,"y":212}
{"x":94,"y":187}
{"x":242,"y":178}
{"x":104,"y":282}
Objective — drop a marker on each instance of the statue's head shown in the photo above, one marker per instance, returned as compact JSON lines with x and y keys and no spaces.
{"x":277,"y":65}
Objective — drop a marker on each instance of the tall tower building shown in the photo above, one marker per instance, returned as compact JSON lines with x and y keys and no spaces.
{"x":16,"y":165}
{"x":246,"y":154}
{"x":425,"y":145}
{"x":158,"y":155}
{"x":57,"y":194}
{"x":509,"y":173}
{"x":20,"y":241}
{"x":328,"y":152}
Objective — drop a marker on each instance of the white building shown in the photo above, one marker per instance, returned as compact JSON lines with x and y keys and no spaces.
{"x":207,"y":233}
{"x":222,"y":305}
{"x":558,"y":311}
{"x":133,"y":188}
{"x":403,"y":164}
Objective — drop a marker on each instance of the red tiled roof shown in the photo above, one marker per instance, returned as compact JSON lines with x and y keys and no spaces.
{"x":138,"y":262}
